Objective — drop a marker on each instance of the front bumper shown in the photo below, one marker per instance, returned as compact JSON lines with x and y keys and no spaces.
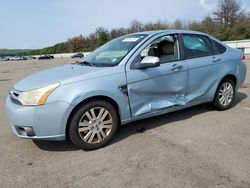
{"x":45,"y":122}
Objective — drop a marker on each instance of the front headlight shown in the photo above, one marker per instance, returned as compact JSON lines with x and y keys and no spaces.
{"x":37,"y":96}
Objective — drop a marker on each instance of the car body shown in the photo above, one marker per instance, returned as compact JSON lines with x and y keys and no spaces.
{"x":23,"y":58}
{"x":14,"y":58}
{"x":31,"y":57}
{"x":42,"y":57}
{"x":140,"y":84}
{"x":6,"y":58}
{"x":78,"y":55}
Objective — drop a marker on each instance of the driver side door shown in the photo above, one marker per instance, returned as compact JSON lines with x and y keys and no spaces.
{"x":157,"y":89}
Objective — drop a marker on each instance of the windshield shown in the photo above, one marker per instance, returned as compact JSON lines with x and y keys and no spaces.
{"x":114,"y":51}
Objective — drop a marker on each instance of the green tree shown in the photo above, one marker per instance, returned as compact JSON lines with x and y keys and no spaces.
{"x":159,"y":25}
{"x":102,"y":36}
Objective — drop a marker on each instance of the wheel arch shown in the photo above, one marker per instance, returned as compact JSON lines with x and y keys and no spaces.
{"x":98,"y":97}
{"x":232,"y":77}
{"x":228,"y":76}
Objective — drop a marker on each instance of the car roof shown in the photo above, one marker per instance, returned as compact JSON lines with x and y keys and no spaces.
{"x":169,"y":31}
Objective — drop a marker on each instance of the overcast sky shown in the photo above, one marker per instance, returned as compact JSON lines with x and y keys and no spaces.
{"x":42,"y":23}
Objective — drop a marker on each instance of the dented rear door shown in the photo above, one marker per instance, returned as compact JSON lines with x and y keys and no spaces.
{"x":205,"y":67}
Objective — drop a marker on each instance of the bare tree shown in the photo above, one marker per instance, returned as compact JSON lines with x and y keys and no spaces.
{"x":208,"y":25}
{"x":135,"y":26}
{"x":117,"y":32}
{"x":178,"y":24}
{"x":227,"y":12}
{"x":75,"y":44}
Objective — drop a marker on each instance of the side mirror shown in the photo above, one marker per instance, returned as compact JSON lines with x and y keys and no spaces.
{"x":148,"y":62}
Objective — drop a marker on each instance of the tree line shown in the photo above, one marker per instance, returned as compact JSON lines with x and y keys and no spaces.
{"x":229,"y":22}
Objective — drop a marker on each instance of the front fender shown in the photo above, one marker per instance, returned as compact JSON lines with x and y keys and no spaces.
{"x":118,"y":98}
{"x":108,"y":86}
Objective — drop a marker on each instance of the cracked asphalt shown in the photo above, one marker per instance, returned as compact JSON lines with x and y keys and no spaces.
{"x":194,"y":147}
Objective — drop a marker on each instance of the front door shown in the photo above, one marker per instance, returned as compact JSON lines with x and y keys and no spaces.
{"x":155,"y":89}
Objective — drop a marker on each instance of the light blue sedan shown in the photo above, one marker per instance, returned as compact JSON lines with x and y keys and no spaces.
{"x":132,"y":77}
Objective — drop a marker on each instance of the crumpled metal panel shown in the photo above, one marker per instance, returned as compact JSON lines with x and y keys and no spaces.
{"x":160,"y":103}
{"x":157,"y":88}
{"x":146,"y":100}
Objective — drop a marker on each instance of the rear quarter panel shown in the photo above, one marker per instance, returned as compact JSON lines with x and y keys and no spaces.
{"x":238,"y":67}
{"x":205,"y":75}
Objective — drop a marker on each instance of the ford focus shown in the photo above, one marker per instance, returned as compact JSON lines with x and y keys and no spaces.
{"x":132,"y":77}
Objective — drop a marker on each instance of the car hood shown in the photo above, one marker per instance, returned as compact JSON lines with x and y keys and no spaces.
{"x":64,"y":74}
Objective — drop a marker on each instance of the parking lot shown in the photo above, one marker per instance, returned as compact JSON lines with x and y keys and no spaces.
{"x":194,"y":147}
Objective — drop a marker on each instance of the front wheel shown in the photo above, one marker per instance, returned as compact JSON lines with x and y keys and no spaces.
{"x":93,"y":125}
{"x":225,"y":95}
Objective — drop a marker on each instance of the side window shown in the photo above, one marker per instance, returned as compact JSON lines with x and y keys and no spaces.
{"x":218,"y":48}
{"x":197,"y":46}
{"x":166,"y":48}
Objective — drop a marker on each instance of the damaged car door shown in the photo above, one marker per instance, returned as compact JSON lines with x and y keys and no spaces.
{"x":157,"y":87}
{"x":204,"y":67}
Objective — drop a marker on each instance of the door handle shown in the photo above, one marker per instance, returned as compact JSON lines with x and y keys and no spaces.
{"x":216,"y":60}
{"x":176,"y":67}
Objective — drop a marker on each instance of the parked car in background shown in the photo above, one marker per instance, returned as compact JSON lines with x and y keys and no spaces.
{"x":14,"y":58}
{"x":6,"y":58}
{"x":31,"y":57}
{"x":78,"y":55}
{"x":45,"y":57}
{"x":23,"y":58}
{"x":133,"y":77}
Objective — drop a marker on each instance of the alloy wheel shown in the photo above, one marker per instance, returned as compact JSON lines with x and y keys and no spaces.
{"x":226,"y":94}
{"x":95,"y":125}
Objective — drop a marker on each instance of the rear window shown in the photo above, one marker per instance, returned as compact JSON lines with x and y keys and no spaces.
{"x":218,"y":48}
{"x":197,"y":46}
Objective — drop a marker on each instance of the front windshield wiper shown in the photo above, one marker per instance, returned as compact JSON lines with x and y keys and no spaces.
{"x":85,"y":63}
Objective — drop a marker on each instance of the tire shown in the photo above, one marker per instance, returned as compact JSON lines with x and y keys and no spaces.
{"x":93,"y":125}
{"x":225,"y":95}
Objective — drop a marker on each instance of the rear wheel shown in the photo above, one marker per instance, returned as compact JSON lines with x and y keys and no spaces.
{"x":225,"y":95}
{"x":93,"y":125}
